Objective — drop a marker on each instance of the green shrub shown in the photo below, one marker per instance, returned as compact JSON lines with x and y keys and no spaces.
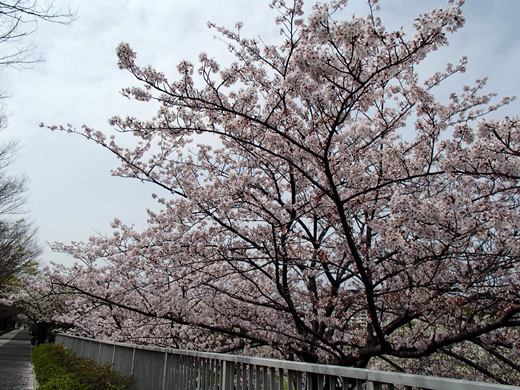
{"x":58,"y":369}
{"x":63,"y":381}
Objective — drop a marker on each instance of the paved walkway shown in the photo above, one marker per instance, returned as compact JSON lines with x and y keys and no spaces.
{"x":16,"y":371}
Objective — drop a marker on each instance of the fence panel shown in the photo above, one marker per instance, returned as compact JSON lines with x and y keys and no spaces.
{"x":165,"y":368}
{"x":148,"y":369}
{"x":123,"y":360}
{"x":105,"y":354}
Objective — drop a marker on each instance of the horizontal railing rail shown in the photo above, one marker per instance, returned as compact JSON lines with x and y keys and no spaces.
{"x":167,"y":368}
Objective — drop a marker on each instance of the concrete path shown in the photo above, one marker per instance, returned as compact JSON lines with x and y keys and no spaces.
{"x":16,"y":371}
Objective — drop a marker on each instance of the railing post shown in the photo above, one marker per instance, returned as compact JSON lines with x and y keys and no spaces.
{"x":374,"y":385}
{"x":133,"y":360}
{"x":227,"y":375}
{"x":165,"y":370}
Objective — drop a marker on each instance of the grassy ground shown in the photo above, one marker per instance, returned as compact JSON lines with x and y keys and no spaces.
{"x":58,"y":369}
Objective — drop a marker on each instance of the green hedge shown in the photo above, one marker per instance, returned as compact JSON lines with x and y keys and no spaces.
{"x":58,"y":369}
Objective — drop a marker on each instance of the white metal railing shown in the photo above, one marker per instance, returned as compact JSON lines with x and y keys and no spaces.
{"x":165,"y":368}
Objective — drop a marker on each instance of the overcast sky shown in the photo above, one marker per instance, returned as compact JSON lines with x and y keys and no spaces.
{"x":72,"y":195}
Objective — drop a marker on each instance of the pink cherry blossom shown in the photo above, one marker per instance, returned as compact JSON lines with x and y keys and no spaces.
{"x":299,"y":223}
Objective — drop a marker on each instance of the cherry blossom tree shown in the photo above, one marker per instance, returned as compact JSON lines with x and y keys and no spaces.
{"x":40,"y":302}
{"x":319,"y":203}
